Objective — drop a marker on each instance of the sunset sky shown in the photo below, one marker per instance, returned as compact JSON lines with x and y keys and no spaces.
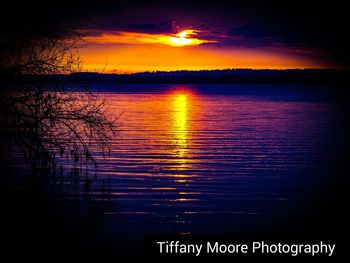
{"x":133,"y":36}
{"x":128,"y":52}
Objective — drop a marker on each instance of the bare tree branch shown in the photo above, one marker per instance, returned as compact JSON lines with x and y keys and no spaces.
{"x":52,"y":120}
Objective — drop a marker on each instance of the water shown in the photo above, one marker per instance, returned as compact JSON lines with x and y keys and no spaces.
{"x":191,"y":161}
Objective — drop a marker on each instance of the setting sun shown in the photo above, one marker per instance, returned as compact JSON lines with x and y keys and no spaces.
{"x":181,"y":39}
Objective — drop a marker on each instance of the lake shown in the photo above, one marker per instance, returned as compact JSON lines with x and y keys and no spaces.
{"x":194,"y":159}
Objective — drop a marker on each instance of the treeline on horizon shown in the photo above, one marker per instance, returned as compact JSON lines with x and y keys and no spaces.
{"x":229,"y":76}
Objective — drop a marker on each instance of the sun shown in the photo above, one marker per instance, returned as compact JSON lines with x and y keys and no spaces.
{"x":182,"y":39}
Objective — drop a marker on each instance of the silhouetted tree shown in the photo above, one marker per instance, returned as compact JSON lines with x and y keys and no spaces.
{"x":51,"y":118}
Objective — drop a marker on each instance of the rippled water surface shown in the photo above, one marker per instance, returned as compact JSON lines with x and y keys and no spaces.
{"x":187,"y":161}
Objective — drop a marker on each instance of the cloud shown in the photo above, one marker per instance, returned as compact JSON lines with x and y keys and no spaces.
{"x":161,"y":27}
{"x":183,"y":38}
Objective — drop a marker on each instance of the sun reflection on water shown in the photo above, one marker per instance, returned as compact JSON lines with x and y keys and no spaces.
{"x":180,"y":126}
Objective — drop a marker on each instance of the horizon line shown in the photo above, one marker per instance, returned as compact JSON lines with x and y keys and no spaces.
{"x":211,"y":70}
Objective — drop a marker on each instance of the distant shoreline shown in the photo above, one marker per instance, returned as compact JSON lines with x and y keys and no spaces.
{"x":231,"y":76}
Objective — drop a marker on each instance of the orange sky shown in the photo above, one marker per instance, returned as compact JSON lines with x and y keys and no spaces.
{"x":136,"y":52}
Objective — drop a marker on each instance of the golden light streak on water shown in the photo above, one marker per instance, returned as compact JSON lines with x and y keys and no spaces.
{"x":180,"y":126}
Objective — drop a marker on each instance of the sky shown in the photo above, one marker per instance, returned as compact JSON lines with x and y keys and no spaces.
{"x":135,"y":36}
{"x":128,"y":52}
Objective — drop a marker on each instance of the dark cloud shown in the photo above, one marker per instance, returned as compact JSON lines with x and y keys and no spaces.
{"x":162,"y":27}
{"x":152,"y":28}
{"x":26,"y":19}
{"x":314,"y":25}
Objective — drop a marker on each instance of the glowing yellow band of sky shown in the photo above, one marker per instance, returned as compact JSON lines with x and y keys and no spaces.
{"x":180,"y":39}
{"x":129,"y":52}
